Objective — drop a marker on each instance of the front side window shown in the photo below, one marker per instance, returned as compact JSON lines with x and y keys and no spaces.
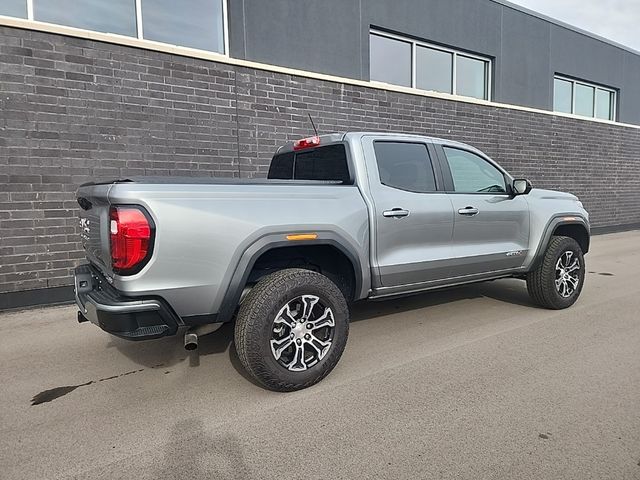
{"x":472,"y":173}
{"x":114,"y":16}
{"x":410,"y":63}
{"x":582,"y":98}
{"x":405,"y":166}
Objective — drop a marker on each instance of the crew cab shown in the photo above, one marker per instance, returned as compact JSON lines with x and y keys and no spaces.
{"x":340,"y":218}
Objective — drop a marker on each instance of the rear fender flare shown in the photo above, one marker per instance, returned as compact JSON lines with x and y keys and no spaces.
{"x":254,"y":251}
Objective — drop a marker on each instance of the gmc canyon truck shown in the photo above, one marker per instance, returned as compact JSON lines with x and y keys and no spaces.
{"x":340,"y":218}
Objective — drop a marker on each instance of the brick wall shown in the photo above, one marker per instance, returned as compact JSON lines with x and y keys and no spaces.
{"x":72,"y":110}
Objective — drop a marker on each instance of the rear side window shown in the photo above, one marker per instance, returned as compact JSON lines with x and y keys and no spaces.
{"x":323,"y":163}
{"x":406,"y":166}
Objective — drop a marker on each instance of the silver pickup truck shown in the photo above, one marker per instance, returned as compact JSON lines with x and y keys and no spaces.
{"x":340,"y":218}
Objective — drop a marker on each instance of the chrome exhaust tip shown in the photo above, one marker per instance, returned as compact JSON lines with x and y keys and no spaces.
{"x":190,"y":341}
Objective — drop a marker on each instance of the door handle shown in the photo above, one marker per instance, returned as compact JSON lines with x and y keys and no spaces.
{"x":468,"y":211}
{"x":395,"y":213}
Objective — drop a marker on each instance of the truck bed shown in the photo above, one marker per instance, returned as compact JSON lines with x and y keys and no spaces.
{"x":155,"y":180}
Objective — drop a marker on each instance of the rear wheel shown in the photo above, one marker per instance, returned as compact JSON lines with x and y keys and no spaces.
{"x":557,"y":282}
{"x":291,"y":329}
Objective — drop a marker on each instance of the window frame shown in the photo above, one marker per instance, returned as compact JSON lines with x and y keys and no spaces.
{"x":488,"y":61}
{"x":139,"y":31}
{"x":596,"y":87}
{"x":432,"y":157}
{"x":448,"y":176}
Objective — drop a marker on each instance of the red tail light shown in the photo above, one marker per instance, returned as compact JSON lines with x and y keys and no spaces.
{"x":306,"y":143}
{"x":132,"y":232}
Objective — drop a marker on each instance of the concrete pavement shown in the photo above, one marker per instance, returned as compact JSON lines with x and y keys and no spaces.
{"x":473,"y":382}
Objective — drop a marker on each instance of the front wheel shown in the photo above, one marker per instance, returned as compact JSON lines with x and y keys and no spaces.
{"x":291,"y":329}
{"x":557,"y":282}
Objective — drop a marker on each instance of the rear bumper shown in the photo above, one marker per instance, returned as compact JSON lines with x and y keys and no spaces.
{"x":125,"y":317}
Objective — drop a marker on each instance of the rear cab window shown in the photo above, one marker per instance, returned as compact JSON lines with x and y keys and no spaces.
{"x":325,"y":163}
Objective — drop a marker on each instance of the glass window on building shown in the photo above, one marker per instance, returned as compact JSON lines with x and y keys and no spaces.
{"x":390,"y":60}
{"x":562,"y":95}
{"x":584,"y":99}
{"x":196,"y":24}
{"x":604,"y":104}
{"x":436,"y":67}
{"x":113,"y":16}
{"x":471,"y":77}
{"x":434,"y":70}
{"x":13,"y":8}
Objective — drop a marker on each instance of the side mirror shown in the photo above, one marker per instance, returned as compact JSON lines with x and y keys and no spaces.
{"x":521,"y":186}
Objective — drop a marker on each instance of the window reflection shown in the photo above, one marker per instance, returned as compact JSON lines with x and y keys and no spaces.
{"x":471,"y":77}
{"x":604,"y":104}
{"x":562,"y":95}
{"x":580,"y":98}
{"x":390,"y":60}
{"x":434,"y":70}
{"x":196,"y":24}
{"x":113,"y":16}
{"x":13,"y":8}
{"x":434,"y":67}
{"x":584,"y":100}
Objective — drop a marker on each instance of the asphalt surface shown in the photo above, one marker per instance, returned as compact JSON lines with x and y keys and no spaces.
{"x":471,"y":383}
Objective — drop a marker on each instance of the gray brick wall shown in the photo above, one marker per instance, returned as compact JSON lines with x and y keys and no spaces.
{"x":72,"y":110}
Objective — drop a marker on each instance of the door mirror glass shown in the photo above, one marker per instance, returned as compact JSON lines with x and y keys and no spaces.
{"x":521,"y":186}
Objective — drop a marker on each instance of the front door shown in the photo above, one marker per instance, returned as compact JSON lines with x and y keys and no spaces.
{"x":413,"y":217}
{"x":491,"y":227}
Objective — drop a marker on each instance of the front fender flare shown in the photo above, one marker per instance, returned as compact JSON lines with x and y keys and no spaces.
{"x":552,"y":225}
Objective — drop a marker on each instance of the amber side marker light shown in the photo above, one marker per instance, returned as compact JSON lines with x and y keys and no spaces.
{"x":302,"y":236}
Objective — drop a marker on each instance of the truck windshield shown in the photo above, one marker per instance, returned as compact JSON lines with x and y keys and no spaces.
{"x":322,"y":163}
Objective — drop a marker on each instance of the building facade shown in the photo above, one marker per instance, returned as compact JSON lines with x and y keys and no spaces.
{"x":131,"y":87}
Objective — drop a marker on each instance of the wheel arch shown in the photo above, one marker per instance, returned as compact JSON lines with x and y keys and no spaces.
{"x":574,"y":230}
{"x":573,"y":226}
{"x":329,"y":253}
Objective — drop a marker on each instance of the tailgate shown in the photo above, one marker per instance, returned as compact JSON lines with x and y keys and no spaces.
{"x":94,"y":223}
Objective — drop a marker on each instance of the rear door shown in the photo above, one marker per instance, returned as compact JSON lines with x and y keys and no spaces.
{"x":413,"y":217}
{"x":491,"y":227}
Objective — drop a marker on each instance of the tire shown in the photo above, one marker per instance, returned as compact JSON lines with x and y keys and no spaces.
{"x":541,"y":282}
{"x":259,"y":335}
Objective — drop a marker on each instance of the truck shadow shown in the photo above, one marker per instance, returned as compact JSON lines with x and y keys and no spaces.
{"x":169,"y":351}
{"x":191,"y":452}
{"x":509,"y":291}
